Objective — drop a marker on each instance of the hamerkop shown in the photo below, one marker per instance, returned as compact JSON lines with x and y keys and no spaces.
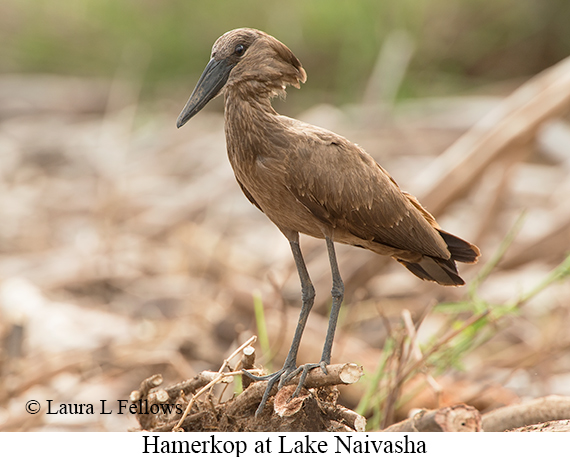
{"x":309,"y":180}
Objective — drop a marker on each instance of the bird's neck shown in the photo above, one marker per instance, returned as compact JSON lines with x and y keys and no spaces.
{"x":249,"y":104}
{"x":250,"y":123}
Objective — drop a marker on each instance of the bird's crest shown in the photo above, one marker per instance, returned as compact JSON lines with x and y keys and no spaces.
{"x":263,"y":63}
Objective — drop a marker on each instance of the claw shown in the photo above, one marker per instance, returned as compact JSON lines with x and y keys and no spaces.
{"x":286,"y":378}
{"x":255,"y":377}
{"x":305,"y":371}
{"x":270,"y":383}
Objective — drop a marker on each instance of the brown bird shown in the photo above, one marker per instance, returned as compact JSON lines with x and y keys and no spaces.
{"x":309,"y":180}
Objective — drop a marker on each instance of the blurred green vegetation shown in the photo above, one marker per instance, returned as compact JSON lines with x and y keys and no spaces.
{"x":459,"y":44}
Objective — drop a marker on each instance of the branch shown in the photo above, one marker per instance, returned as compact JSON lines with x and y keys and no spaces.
{"x":551,"y":408}
{"x":457,"y":418}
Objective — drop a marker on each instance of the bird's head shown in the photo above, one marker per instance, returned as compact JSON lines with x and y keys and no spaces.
{"x":245,"y":59}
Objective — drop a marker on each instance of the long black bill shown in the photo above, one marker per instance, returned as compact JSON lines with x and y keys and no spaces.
{"x":209,"y":85}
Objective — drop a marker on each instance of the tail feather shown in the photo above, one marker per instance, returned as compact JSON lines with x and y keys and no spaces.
{"x":460,"y":250}
{"x":444,"y":271}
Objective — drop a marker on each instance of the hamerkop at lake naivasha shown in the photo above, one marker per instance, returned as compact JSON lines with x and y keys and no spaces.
{"x":309,"y":180}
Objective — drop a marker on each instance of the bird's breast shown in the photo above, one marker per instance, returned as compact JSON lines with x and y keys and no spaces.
{"x":264,"y":178}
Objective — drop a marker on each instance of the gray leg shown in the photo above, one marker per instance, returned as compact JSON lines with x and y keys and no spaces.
{"x":337,"y":297}
{"x":290,"y":369}
{"x":308,"y":295}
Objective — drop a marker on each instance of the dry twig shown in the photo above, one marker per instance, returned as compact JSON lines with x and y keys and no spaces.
{"x":551,"y":408}
{"x":457,"y":418}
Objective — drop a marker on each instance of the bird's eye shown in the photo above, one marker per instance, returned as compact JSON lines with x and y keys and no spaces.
{"x":239,"y":50}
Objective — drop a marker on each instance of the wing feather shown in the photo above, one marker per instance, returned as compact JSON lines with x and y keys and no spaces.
{"x":341,"y":185}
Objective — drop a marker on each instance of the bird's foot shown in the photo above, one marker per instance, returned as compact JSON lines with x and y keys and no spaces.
{"x":271,"y":379}
{"x":284,"y":375}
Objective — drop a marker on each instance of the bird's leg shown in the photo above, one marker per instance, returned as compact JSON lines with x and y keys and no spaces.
{"x":308,"y":298}
{"x":337,"y":297}
{"x":289,"y":369}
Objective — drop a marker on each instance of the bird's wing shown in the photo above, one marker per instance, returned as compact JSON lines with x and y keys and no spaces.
{"x":248,"y":194}
{"x":344,"y":187}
